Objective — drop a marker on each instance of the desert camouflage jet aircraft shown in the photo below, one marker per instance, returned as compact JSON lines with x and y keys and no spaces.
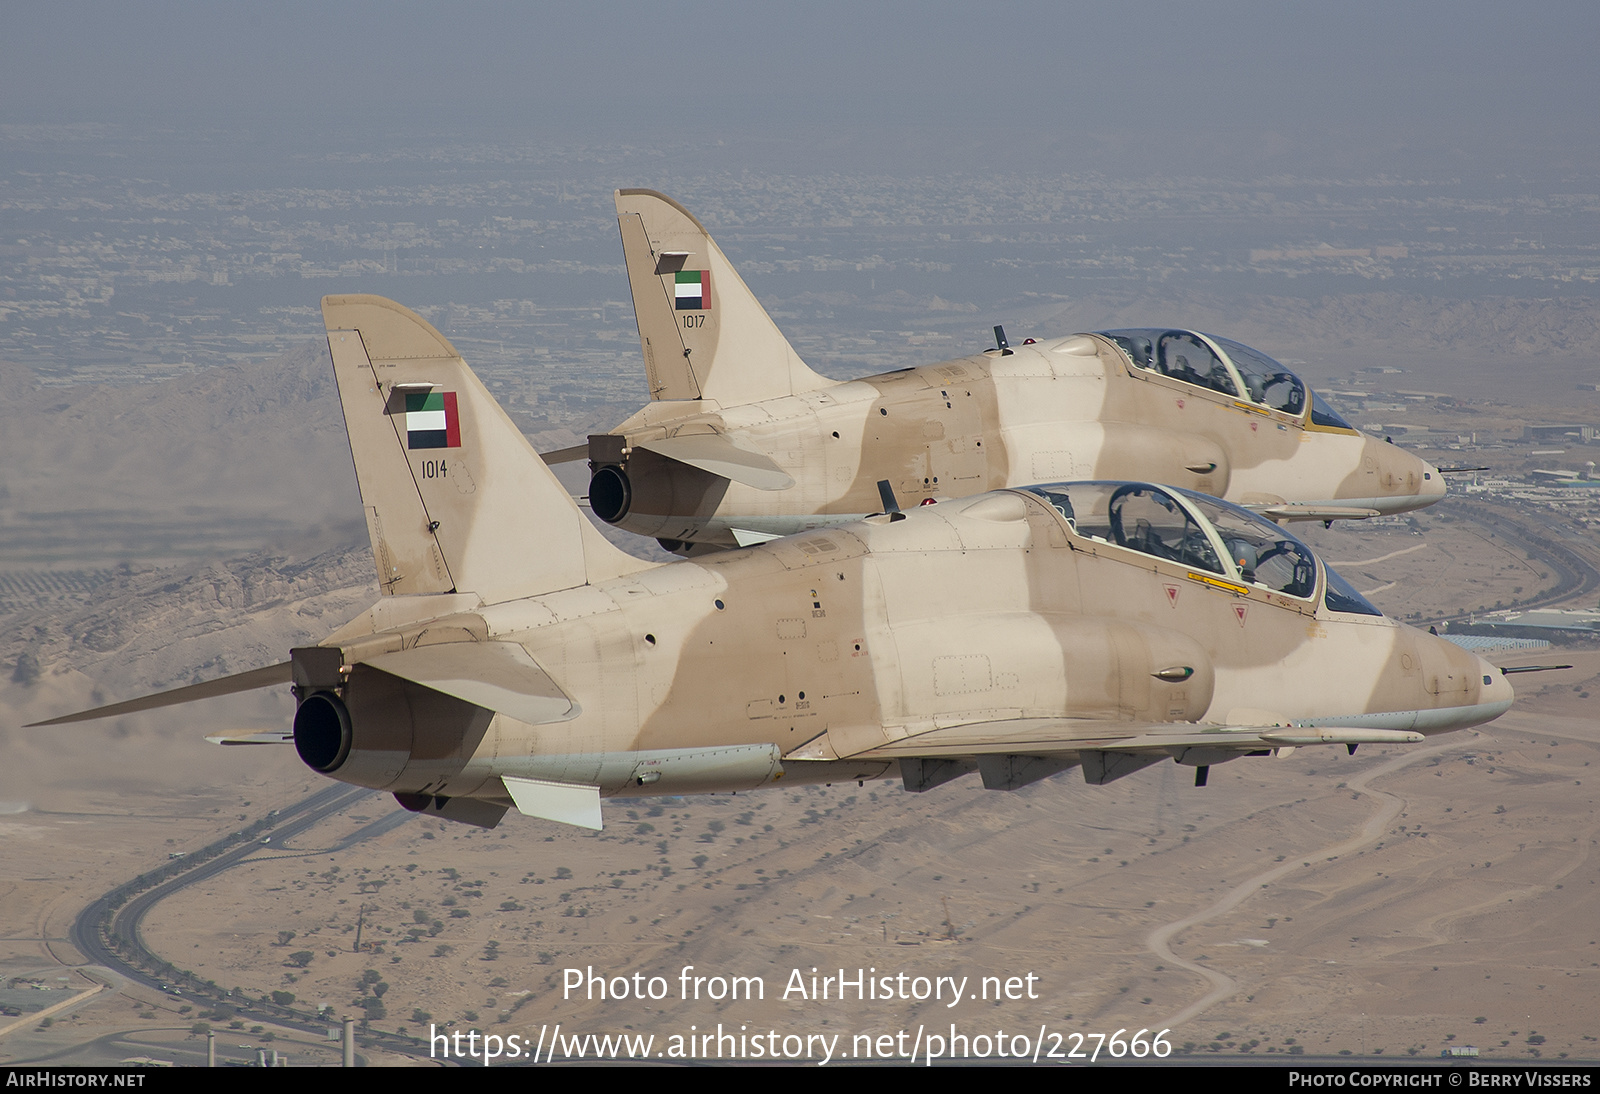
{"x":743,"y":442}
{"x":516,"y":658}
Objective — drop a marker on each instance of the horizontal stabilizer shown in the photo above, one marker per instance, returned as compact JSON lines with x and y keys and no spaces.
{"x":566,"y":455}
{"x":211,"y":689}
{"x":265,"y":737}
{"x":564,"y":803}
{"x":717,"y":454}
{"x":497,"y":676}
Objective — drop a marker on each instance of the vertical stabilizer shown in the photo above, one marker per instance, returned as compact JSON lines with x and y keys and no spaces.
{"x":703,"y":333}
{"x":455,"y":497}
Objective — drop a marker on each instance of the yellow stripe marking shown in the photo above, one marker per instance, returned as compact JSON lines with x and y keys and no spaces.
{"x":1218,"y":583}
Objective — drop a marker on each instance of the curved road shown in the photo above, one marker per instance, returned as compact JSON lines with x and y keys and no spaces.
{"x":1577,"y":576}
{"x":1222,"y":986}
{"x":119,"y":915}
{"x":87,"y":934}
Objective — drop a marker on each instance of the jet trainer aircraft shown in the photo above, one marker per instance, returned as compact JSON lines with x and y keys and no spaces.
{"x":743,"y":442}
{"x":515,"y":658}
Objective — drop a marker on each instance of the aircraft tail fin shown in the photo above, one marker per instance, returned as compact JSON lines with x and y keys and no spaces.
{"x":456,"y":499}
{"x":703,"y":333}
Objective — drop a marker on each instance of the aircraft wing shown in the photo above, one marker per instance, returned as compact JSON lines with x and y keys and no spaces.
{"x":1061,"y":736}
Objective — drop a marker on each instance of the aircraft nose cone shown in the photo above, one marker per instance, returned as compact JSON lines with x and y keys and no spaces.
{"x":1497,"y":691}
{"x":1460,"y":688}
{"x":1433,"y":484}
{"x":1404,"y":481}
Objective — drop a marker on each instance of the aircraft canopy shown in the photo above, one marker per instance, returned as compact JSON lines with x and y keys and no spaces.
{"x":1218,"y":364}
{"x":1200,"y":532}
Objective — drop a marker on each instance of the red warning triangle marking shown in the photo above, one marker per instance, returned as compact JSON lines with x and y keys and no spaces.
{"x":1239,"y":610}
{"x":1172,"y":595}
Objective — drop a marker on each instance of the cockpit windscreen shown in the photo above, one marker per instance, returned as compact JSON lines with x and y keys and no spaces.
{"x":1324,"y":415}
{"x":1268,"y":382}
{"x":1201,"y":532}
{"x":1194,"y":358}
{"x":1263,"y":553}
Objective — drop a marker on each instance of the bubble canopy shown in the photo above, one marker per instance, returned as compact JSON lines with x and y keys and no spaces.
{"x":1224,"y":366}
{"x":1201,"y":532}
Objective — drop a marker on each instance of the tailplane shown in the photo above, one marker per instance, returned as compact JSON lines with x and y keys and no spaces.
{"x":703,"y":333}
{"x":456,"y":499}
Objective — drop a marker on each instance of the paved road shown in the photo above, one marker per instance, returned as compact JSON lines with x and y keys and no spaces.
{"x":126,"y":914}
{"x":1576,"y":575}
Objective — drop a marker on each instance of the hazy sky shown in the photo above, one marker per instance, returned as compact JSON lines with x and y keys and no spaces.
{"x":1365,"y":84}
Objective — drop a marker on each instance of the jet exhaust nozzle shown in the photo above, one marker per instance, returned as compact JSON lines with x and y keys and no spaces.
{"x":322,"y":731}
{"x":610,"y":494}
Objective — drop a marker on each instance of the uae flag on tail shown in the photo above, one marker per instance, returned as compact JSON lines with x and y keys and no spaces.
{"x":693,"y":290}
{"x":432,"y":420}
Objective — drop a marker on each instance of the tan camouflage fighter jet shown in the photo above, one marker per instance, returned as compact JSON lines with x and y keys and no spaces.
{"x":516,"y":659}
{"x":743,"y":442}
